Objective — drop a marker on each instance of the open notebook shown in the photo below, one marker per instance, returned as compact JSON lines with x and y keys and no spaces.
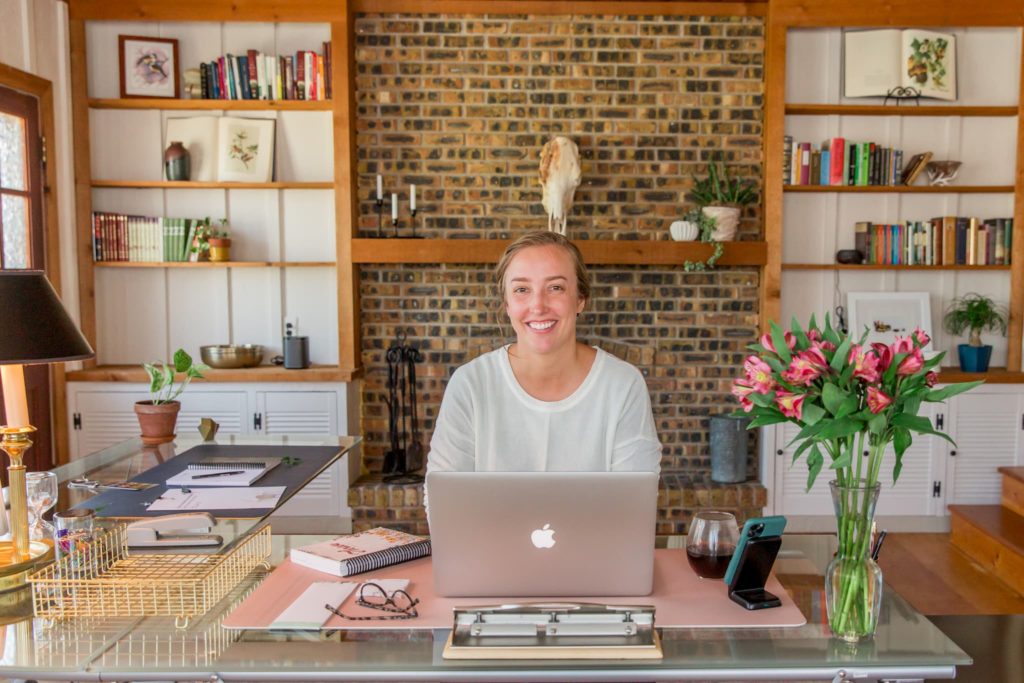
{"x":223,"y":471}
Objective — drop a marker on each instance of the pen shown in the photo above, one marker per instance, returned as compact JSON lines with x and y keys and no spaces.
{"x":217,"y":474}
{"x":878,"y":545}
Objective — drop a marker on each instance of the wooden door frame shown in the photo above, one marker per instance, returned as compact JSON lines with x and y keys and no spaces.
{"x":42,"y":89}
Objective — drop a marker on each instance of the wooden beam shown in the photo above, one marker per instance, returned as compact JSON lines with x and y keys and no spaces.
{"x":769,"y":304}
{"x":346,"y":186}
{"x":595,"y":252}
{"x":206,"y":10}
{"x":1015,"y":329}
{"x":885,"y":13}
{"x":756,"y":8}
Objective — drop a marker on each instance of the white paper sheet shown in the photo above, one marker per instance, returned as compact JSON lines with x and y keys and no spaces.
{"x":239,"y":498}
{"x":308,"y":611}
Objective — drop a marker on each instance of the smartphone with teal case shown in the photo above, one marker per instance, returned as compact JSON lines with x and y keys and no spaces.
{"x":755,"y":527}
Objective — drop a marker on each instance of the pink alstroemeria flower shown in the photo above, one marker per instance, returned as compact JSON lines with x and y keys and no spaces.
{"x":742,"y":390}
{"x":791,"y":405}
{"x":931,"y":378}
{"x":815,"y":356}
{"x":903,"y":345}
{"x":865,"y":364}
{"x":802,"y":371}
{"x":921,"y":337}
{"x":766,"y":341}
{"x":759,"y":374}
{"x":911,"y":364}
{"x":884,"y":354}
{"x":877,"y":400}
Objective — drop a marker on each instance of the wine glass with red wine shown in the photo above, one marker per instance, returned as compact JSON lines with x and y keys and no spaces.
{"x":711,"y":543}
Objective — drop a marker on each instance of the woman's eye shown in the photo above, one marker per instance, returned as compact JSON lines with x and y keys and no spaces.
{"x":519,"y":290}
{"x":557,"y":288}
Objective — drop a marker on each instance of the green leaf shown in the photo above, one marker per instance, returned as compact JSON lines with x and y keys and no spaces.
{"x":912,"y":405}
{"x":843,"y":460}
{"x":877,"y":424}
{"x":802,"y":341}
{"x":156,"y":378}
{"x":779,"y":340}
{"x":773,"y":363}
{"x":762,"y":400}
{"x":763,"y":420}
{"x":919,"y":424}
{"x":800,"y":451}
{"x":848,"y":406}
{"x":833,"y":397}
{"x":842,"y":352}
{"x":837,"y":429}
{"x":934,"y":360}
{"x":814,"y":463}
{"x":942,"y":394}
{"x":901,"y":441}
{"x":182,"y":361}
{"x":812,"y":413}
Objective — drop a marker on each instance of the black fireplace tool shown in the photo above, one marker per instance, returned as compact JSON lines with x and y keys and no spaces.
{"x":406,"y":455}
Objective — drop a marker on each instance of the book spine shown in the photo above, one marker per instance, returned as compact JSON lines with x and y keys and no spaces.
{"x":805,"y":163}
{"x":384,"y":558}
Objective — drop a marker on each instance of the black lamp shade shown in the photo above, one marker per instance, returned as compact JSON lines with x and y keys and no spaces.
{"x":34,"y":327}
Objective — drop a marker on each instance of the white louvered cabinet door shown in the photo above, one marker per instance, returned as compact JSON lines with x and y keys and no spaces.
{"x":792,"y":497}
{"x":101,"y":418}
{"x":918,"y":490}
{"x":986,"y":425}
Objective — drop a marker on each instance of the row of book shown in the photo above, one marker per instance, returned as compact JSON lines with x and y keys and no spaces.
{"x":306,"y":75}
{"x":842,"y":162}
{"x":123,"y":237}
{"x":944,"y":241}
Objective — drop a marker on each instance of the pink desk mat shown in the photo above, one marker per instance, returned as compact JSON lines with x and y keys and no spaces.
{"x":681,"y":599}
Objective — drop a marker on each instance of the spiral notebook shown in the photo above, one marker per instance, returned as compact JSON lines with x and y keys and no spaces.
{"x":223,"y":471}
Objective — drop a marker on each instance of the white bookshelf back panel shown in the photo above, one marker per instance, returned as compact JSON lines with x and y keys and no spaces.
{"x":197,"y":42}
{"x":197,"y":306}
{"x":305,"y":146}
{"x":101,"y":46}
{"x":988,"y":150}
{"x":242,"y":36}
{"x":812,"y":216}
{"x":131,"y":315}
{"x":196,"y":203}
{"x":307,"y":218}
{"x":126,"y":145}
{"x":311,"y":295}
{"x":254,"y":217}
{"x":256,"y":309}
{"x":148,"y":202}
{"x":290,"y":38}
{"x":988,"y":67}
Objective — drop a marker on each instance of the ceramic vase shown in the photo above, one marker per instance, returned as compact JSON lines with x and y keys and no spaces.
{"x":853,"y":581}
{"x":727,"y":222}
{"x":176,"y":162}
{"x":684,"y":231}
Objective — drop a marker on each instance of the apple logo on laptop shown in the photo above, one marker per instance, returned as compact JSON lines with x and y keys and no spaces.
{"x":543,"y":538}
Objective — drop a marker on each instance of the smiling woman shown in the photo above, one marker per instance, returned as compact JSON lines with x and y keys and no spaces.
{"x":545,"y":402}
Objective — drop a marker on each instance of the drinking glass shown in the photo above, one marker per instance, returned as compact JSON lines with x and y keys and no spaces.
{"x":711,"y":543}
{"x":41,"y":493}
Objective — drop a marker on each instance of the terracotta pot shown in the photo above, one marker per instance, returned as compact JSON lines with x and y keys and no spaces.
{"x":727,"y":222}
{"x":220,"y":248}
{"x":157,"y":421}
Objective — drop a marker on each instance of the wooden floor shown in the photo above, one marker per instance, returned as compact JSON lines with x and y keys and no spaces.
{"x":938,"y":579}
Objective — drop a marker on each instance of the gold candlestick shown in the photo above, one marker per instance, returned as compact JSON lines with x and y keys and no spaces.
{"x":20,"y":555}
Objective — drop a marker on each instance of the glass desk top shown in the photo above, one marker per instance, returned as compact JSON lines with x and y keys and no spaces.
{"x":906,"y":645}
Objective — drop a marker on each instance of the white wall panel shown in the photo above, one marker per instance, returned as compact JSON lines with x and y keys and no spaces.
{"x":197,"y":42}
{"x":195,"y":203}
{"x":290,"y":37}
{"x":255,"y":232}
{"x":197,"y":307}
{"x":131,"y":315}
{"x":239,"y":37}
{"x":126,"y":144}
{"x":142,"y":202}
{"x":311,"y":295}
{"x":101,"y":44}
{"x":256,"y":309}
{"x":305,"y":146}
{"x":308,"y":225}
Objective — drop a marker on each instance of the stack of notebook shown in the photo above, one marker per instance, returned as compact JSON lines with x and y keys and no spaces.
{"x":223,"y":471}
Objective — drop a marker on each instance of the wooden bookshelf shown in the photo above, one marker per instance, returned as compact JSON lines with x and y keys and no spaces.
{"x":214,"y":264}
{"x":951,"y":375}
{"x":905,"y":110}
{"x":215,"y":105}
{"x":863,"y":266}
{"x":595,"y":252}
{"x":903,"y":189}
{"x":260,"y":373}
{"x":201,"y":185}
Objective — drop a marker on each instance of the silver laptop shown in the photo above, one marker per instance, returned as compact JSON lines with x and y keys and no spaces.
{"x":535,"y":534}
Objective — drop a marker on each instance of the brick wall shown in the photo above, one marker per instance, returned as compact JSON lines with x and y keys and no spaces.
{"x":461,"y":106}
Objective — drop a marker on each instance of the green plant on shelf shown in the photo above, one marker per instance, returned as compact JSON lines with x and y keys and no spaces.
{"x":207,"y":230}
{"x":706,"y":226}
{"x":718,"y":188}
{"x":976,"y":313}
{"x":161,"y":376}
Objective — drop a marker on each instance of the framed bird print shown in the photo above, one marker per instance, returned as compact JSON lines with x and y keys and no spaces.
{"x":149,"y":66}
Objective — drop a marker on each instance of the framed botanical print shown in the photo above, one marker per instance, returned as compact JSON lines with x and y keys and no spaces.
{"x":149,"y":67}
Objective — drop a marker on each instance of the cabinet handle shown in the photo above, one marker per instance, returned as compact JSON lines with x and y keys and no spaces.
{"x":952,"y":453}
{"x":257,"y":421}
{"x":778,"y":452}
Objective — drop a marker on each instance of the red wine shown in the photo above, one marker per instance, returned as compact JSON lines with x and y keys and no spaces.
{"x":709,"y":566}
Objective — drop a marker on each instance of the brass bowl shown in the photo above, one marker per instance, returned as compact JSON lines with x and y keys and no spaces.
{"x":227,"y":356}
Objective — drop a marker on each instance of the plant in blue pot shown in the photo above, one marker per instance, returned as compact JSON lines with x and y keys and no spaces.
{"x":974,"y":313}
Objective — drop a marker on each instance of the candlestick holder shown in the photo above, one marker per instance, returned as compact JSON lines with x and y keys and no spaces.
{"x":380,"y":216}
{"x":412,"y":222}
{"x":394,"y":224}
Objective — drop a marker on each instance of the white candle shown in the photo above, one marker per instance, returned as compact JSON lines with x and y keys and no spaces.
{"x":15,"y":401}
{"x":380,"y":187}
{"x":412,"y":197}
{"x":394,"y":206}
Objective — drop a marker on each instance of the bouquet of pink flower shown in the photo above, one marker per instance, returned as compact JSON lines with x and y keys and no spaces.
{"x":848,"y":397}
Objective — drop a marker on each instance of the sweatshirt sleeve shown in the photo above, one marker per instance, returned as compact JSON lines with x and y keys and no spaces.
{"x":637,"y":448}
{"x":452,"y":446}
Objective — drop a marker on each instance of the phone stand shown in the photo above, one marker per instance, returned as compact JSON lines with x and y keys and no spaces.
{"x":747,"y":587}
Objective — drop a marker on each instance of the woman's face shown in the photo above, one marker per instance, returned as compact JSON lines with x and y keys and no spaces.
{"x":541,"y":298}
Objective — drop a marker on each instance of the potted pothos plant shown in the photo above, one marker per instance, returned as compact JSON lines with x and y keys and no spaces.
{"x":974,"y":313}
{"x":159,"y":415}
{"x":212,"y":241}
{"x":705,"y":233}
{"x":723,"y":197}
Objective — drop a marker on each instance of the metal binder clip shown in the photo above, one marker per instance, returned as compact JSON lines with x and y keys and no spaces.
{"x":552,"y":620}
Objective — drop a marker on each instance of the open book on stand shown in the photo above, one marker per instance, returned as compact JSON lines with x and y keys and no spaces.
{"x":366,"y":550}
{"x":877,"y":62}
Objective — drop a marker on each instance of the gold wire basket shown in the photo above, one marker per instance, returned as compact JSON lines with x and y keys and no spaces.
{"x":103,"y":580}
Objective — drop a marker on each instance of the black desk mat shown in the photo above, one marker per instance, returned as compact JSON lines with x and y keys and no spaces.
{"x":311,"y":459}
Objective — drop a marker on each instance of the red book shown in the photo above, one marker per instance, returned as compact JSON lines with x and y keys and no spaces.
{"x":837,"y":161}
{"x":253,"y":80}
{"x":805,"y":163}
{"x":300,"y":75}
{"x":222,"y":76}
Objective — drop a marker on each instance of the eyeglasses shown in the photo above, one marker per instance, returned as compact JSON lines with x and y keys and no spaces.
{"x":399,"y":603}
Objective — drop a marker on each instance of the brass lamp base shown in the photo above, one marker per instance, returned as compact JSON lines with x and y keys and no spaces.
{"x":13,"y":574}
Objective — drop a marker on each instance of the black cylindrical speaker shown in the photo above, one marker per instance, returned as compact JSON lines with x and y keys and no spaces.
{"x":296,"y":352}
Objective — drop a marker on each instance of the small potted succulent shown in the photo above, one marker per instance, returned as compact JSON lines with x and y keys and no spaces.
{"x":212,"y":242}
{"x":974,"y":312}
{"x":159,"y":415}
{"x":722,"y":197}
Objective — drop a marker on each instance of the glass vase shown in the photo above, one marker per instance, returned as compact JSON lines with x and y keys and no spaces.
{"x":853,"y":582}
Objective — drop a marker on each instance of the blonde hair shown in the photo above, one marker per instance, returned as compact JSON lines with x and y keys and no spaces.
{"x":543,"y":239}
